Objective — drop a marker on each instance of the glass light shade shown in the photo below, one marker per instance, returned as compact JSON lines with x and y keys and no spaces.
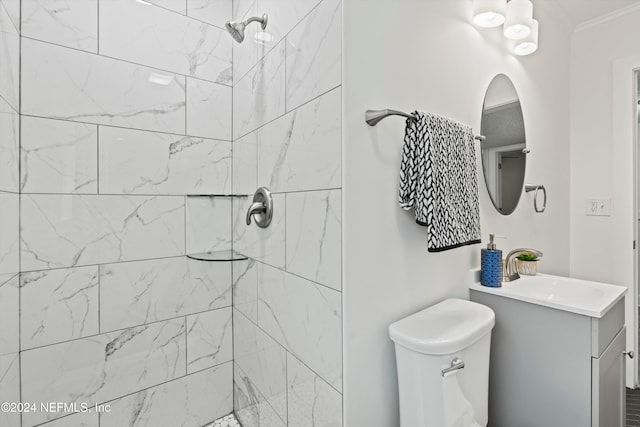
{"x":529,"y":44}
{"x":517,"y":24}
{"x":489,"y":13}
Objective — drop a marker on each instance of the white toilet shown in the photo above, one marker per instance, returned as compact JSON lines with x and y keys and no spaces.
{"x":442,"y":355}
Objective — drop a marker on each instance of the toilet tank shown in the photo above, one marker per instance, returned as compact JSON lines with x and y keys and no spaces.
{"x":426,"y":343}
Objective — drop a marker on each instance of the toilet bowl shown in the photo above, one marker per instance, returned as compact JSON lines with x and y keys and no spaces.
{"x":442,"y":358}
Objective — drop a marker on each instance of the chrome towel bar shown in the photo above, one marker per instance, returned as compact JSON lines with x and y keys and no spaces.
{"x":373,"y":117}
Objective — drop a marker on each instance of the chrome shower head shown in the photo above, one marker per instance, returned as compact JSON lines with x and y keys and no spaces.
{"x":236,"y":29}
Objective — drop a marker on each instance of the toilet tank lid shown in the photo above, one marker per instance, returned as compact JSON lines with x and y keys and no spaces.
{"x":444,"y":328}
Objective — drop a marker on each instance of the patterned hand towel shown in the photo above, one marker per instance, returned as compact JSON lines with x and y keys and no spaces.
{"x":438,"y":179}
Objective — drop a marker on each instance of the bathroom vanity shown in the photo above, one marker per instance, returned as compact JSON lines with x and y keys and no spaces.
{"x":557,"y":352}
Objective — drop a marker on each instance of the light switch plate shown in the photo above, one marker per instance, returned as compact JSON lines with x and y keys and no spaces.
{"x":598,"y":206}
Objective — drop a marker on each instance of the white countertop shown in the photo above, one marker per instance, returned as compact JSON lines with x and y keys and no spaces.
{"x":584,"y":297}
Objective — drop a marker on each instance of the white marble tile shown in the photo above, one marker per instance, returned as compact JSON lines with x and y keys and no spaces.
{"x":9,"y":147}
{"x":245,"y":288}
{"x":208,"y":110}
{"x":5,"y":277}
{"x":81,"y":419}
{"x":245,"y":167}
{"x":263,"y":244}
{"x":314,"y":54}
{"x":71,"y":23}
{"x":208,"y":224}
{"x":314,"y":236}
{"x":64,"y":83}
{"x":104,"y":367}
{"x":58,"y":156}
{"x":68,"y":231}
{"x":249,"y":406}
{"x":245,"y":54}
{"x":304,"y":317}
{"x":135,"y":293}
{"x":179,"y":6}
{"x":263,"y":361}
{"x":242,"y":8}
{"x":215,"y":12}
{"x":7,"y":361}
{"x":162,"y":39}
{"x":283,"y":16}
{"x":13,"y":9}
{"x":10,"y":388}
{"x":9,"y":230}
{"x":9,"y":60}
{"x":209,"y":339}
{"x":142,"y":162}
{"x":9,"y":318}
{"x":303,"y":149}
{"x":58,"y":305}
{"x":193,"y":400}
{"x":258,"y":97}
{"x":311,"y":401}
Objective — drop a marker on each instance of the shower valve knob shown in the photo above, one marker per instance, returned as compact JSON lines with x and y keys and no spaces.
{"x":261,"y":210}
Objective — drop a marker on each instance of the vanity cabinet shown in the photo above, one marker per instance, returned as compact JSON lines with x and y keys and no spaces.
{"x":608,"y":384}
{"x":554,"y":368}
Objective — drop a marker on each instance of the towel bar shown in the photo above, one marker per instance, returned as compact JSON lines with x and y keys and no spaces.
{"x":373,"y":117}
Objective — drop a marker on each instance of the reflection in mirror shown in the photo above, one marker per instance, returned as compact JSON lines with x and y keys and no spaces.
{"x":503,"y":150}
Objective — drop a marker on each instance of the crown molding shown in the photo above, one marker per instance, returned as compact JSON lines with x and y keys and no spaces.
{"x":607,"y":17}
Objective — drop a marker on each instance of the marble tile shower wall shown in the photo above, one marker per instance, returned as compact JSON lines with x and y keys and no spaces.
{"x":287,"y":136}
{"x":9,"y":207}
{"x":126,"y":109}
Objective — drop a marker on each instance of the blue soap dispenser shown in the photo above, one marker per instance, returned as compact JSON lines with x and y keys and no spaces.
{"x":491,"y":264}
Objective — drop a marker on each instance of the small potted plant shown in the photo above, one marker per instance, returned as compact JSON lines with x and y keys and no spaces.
{"x":527,"y":264}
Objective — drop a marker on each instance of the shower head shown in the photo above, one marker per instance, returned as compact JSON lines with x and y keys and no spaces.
{"x":236,"y":29}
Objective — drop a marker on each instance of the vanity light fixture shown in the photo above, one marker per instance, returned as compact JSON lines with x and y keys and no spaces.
{"x":489,"y":13}
{"x":529,"y":44}
{"x":516,"y":16}
{"x":517,"y":23}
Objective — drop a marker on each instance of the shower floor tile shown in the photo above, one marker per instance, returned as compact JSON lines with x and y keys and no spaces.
{"x":226,"y":421}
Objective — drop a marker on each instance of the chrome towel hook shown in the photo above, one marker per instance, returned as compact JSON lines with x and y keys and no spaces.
{"x":536,"y":188}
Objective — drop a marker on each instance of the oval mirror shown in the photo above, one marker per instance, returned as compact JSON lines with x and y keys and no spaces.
{"x":504,"y":149}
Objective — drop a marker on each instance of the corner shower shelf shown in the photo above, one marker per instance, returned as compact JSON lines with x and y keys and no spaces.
{"x":238,"y":196}
{"x":218,"y":256}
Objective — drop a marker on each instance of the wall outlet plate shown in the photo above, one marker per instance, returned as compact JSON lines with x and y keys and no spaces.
{"x":598,"y":206}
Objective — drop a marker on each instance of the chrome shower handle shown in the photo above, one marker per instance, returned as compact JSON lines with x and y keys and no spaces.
{"x":255,"y":208}
{"x":262,"y":208}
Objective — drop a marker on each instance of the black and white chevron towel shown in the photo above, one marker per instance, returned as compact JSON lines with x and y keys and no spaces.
{"x":438,"y":179}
